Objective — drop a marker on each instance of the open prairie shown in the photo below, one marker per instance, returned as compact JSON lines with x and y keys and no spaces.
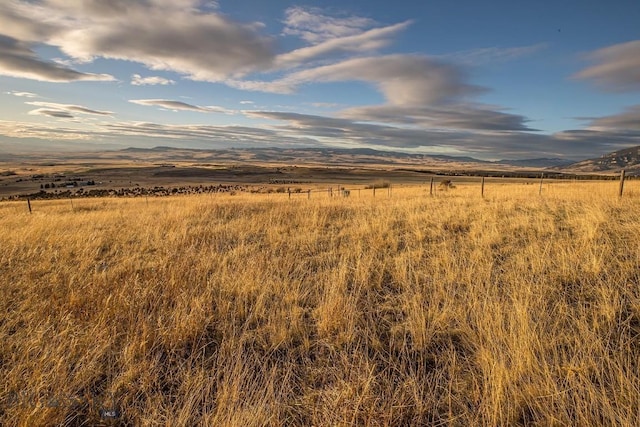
{"x":518,"y":308}
{"x":47,"y":179}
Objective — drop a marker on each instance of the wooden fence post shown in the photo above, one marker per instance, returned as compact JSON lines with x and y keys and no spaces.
{"x":29,"y":204}
{"x":431,"y":187}
{"x":374,"y":190}
{"x":289,"y":191}
{"x":482,"y":188}
{"x":621,"y":183}
{"x":541,"y":179}
{"x":308,"y":194}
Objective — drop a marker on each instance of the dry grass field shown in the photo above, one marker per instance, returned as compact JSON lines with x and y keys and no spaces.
{"x":255,"y":310}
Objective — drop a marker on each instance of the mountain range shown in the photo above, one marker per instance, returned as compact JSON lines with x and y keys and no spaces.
{"x":337,"y":156}
{"x":628,"y":159}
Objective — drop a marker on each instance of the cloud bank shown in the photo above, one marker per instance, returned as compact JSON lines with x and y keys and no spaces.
{"x":18,"y":60}
{"x":196,"y":42}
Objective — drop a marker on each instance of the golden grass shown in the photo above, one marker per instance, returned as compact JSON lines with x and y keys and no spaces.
{"x":254,"y":310}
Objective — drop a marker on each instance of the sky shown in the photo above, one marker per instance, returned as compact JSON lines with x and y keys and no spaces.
{"x":489,"y":79}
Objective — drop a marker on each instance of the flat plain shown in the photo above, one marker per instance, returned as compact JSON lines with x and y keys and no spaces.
{"x":517,"y":308}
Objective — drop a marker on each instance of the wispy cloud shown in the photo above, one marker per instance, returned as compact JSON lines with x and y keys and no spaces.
{"x":325,"y":104}
{"x":22,"y":130}
{"x":331,"y":35}
{"x":314,"y":26}
{"x":22,"y":94}
{"x":616,"y":68}
{"x":153,"y":134}
{"x":179,"y":105}
{"x":362,"y":42}
{"x":138,"y":80}
{"x":64,"y":110}
{"x":492,"y":55}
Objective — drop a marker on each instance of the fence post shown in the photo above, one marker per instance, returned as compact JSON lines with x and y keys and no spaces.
{"x":541,"y":179}
{"x":374,"y":190}
{"x":289,"y":191}
{"x":482,"y":188}
{"x":308,"y":194}
{"x":431,"y":187}
{"x":358,"y":193}
{"x":621,"y":183}
{"x":29,"y":204}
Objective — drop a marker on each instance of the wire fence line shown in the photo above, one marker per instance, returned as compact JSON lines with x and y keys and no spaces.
{"x":442,"y":184}
{"x":430,"y":188}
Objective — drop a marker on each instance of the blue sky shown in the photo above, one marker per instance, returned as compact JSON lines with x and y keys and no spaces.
{"x":493,"y":79}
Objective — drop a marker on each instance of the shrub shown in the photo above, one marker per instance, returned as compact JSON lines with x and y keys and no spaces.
{"x":446,"y":184}
{"x":379,"y":184}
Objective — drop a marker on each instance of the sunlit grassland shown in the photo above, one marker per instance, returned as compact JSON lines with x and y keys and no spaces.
{"x":250,"y":310}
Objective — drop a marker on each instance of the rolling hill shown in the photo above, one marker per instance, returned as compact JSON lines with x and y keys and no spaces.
{"x":628,"y":159}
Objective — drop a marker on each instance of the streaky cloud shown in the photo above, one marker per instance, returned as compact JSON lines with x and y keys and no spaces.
{"x":628,"y":120}
{"x":366,"y":41}
{"x":616,"y":68}
{"x":22,"y":94}
{"x":58,"y":114}
{"x":492,"y":55}
{"x":179,"y":105}
{"x":70,"y":108}
{"x":314,"y":26}
{"x":455,"y":116}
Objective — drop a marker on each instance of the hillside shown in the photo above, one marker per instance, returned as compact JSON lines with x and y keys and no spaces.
{"x":628,"y":159}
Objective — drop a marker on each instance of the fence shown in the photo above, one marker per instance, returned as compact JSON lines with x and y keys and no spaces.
{"x":431,"y":188}
{"x":376,"y":190}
